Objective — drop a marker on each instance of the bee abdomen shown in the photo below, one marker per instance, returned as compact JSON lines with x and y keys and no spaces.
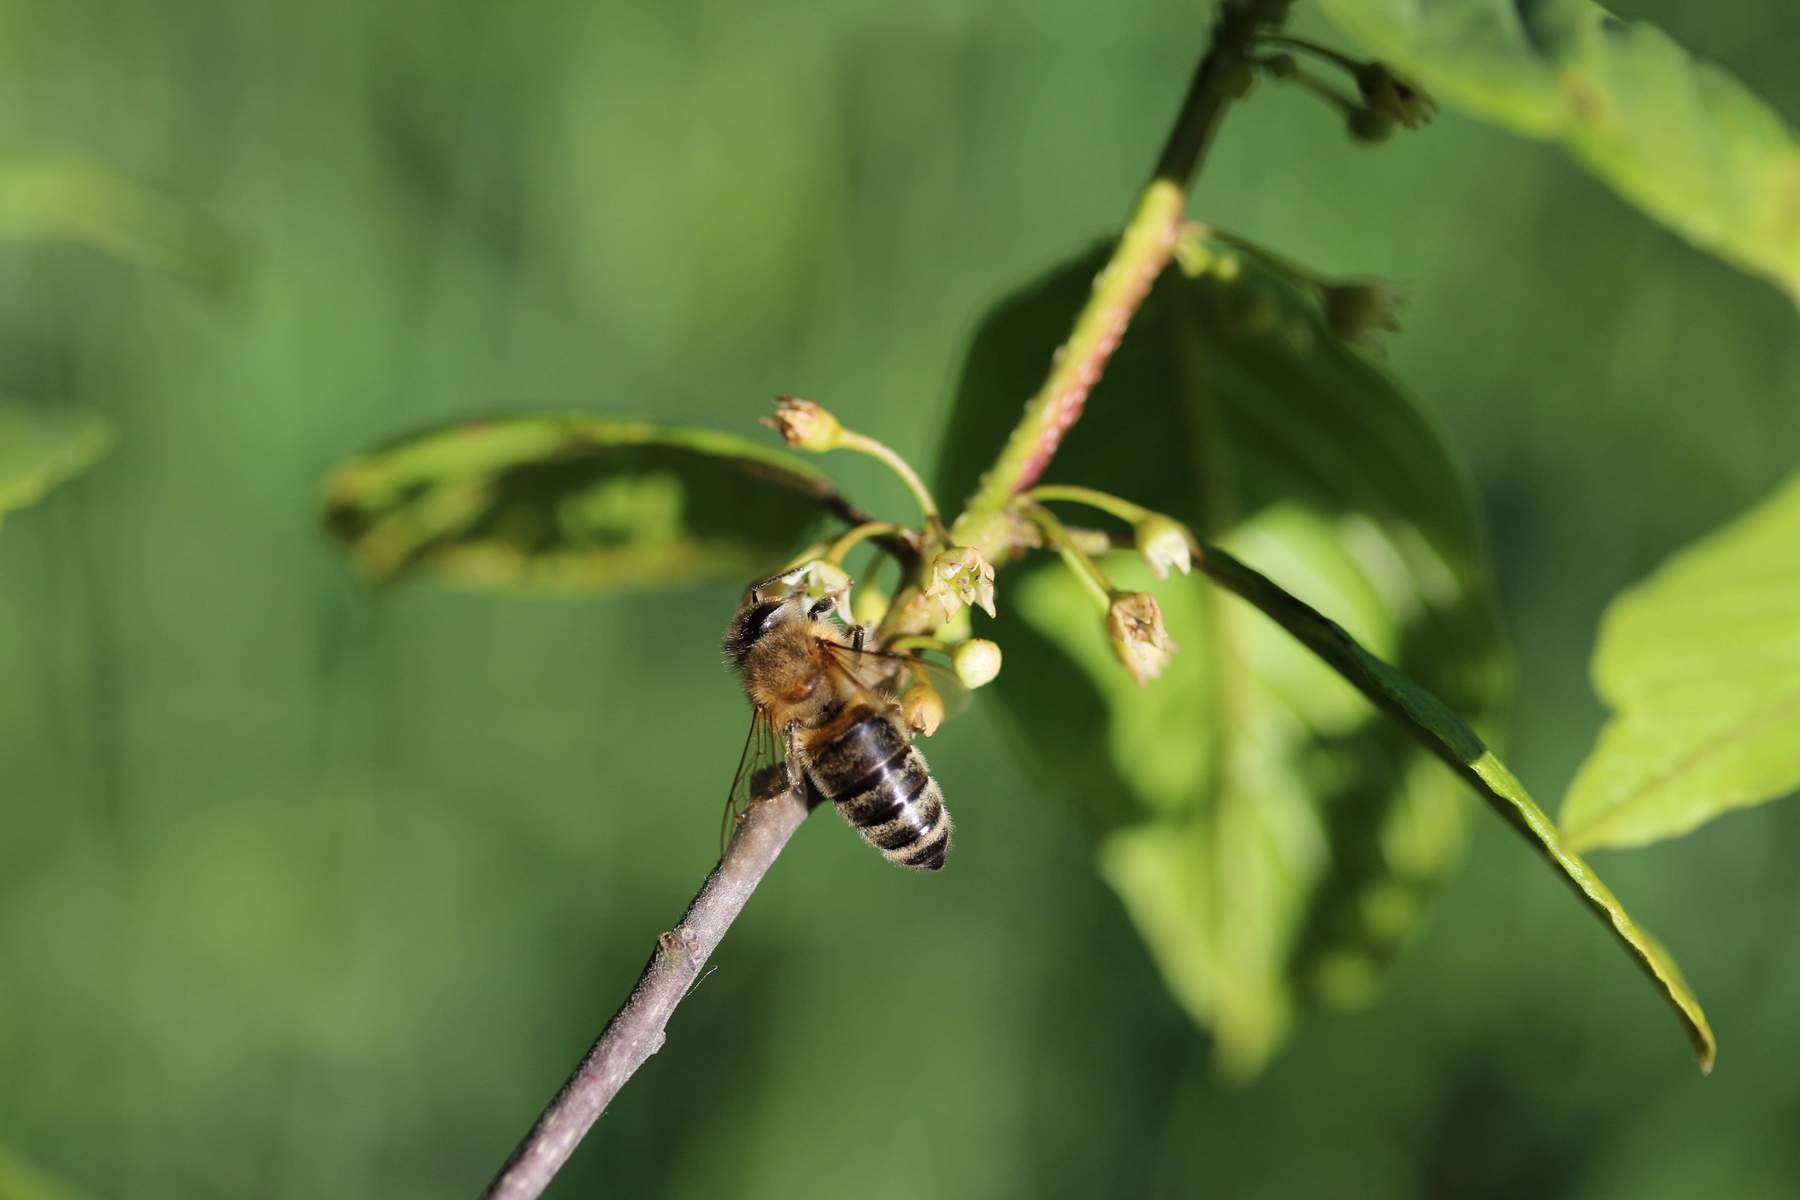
{"x":902,"y":814}
{"x":883,"y":787}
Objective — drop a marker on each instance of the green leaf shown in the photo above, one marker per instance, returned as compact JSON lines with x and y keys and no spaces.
{"x":135,"y":224}
{"x":1680,"y":138}
{"x":573,"y":503}
{"x":1273,"y":839}
{"x":1701,"y":667}
{"x":1444,"y":734}
{"x":40,"y":448}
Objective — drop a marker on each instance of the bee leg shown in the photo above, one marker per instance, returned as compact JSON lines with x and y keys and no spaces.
{"x":796,"y":762}
{"x":858,"y":633}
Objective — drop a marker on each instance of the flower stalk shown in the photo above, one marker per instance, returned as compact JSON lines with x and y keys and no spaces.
{"x":870,"y":529}
{"x":1139,"y":257}
{"x":1056,"y":536}
{"x":809,"y":426}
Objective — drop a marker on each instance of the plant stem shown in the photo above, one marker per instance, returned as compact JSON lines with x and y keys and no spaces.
{"x":1106,"y":502}
{"x":636,"y":1030}
{"x":1326,"y":90}
{"x":864,"y":444}
{"x":1099,"y":541}
{"x":1142,"y":252}
{"x":1280,"y":263}
{"x":1057,"y":537}
{"x":848,"y":541}
{"x":1119,"y":289}
{"x":1318,"y":49}
{"x":815,"y":551}
{"x":917,"y":641}
{"x":1240,"y":24}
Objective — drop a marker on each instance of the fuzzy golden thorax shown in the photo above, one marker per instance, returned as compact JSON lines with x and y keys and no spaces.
{"x":787,"y":672}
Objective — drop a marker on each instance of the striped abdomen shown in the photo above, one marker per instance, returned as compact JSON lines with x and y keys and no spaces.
{"x":863,"y":762}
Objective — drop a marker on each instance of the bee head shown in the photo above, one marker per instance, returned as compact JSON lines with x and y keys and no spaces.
{"x":753,"y":620}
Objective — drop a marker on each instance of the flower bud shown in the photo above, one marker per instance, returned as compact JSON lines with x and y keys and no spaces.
{"x":1368,"y":126}
{"x":922,"y":707}
{"x":1390,"y":96}
{"x":1163,"y":543}
{"x":1135,"y":625}
{"x":1358,"y":310}
{"x":1236,"y":80}
{"x":804,"y":425}
{"x":961,"y":576}
{"x":868,"y":605}
{"x":976,"y":662}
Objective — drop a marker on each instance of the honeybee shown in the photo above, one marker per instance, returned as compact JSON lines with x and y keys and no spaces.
{"x":822,"y":717}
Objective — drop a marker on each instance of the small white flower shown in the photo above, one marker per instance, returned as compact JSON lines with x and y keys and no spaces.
{"x":960,"y":576}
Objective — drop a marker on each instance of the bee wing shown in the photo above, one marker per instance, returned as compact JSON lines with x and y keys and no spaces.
{"x":764,"y":769}
{"x":889,"y":674}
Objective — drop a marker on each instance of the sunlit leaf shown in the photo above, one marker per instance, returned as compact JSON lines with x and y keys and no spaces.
{"x":40,"y":448}
{"x":574,"y":503}
{"x":1681,"y":138}
{"x":1273,"y":838}
{"x":84,"y":204}
{"x":1701,"y":667}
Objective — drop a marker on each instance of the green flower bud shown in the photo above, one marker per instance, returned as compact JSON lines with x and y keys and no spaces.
{"x":1390,"y":96}
{"x":804,"y":425}
{"x":1358,"y":310}
{"x":976,"y":662}
{"x":1163,"y":543}
{"x":1236,"y":80}
{"x":922,"y":707}
{"x":868,"y":604}
{"x":1368,"y":126}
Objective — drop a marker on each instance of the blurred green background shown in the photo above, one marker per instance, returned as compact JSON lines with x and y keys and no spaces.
{"x":306,"y":890}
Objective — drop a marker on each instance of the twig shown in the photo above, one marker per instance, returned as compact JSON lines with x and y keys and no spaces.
{"x":636,"y":1030}
{"x":1142,"y":252}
